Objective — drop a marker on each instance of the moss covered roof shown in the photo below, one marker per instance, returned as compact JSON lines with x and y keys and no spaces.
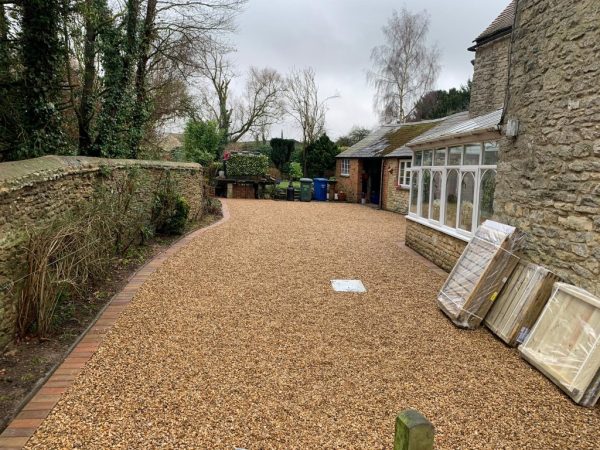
{"x":387,"y":139}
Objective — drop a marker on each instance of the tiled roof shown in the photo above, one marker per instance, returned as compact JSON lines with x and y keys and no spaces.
{"x":402,"y":152}
{"x":503,"y":22}
{"x":459,"y":125}
{"x":387,"y":139}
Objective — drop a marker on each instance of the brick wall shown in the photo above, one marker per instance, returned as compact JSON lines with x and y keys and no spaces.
{"x":34,"y":192}
{"x":394,"y":197}
{"x":440,"y":248}
{"x":350,"y":185}
{"x":490,"y":77}
{"x":549,"y":176}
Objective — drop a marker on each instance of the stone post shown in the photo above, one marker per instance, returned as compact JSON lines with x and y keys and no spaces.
{"x":413,"y":431}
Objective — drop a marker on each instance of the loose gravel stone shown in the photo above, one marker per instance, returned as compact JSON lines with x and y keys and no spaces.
{"x":239,"y":341}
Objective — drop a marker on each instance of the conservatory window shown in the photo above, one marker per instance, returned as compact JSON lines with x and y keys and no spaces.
{"x":453,"y":188}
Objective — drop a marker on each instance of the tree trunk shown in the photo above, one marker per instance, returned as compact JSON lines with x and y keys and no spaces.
{"x":86,"y":107}
{"x":141,"y":113}
{"x":42,"y":59}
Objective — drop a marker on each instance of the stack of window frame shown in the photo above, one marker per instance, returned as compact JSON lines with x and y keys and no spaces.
{"x":564,"y":343}
{"x":479,"y":274}
{"x":520,"y":302}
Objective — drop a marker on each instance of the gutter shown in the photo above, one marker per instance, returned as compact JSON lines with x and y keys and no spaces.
{"x":457,"y":136}
{"x":492,"y":37}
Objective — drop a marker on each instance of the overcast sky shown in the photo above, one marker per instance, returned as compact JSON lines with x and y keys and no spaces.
{"x":335,"y":37}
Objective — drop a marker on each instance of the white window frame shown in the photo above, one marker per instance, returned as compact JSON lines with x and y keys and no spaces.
{"x":404,"y":166}
{"x":345,"y":167}
{"x":423,"y":216}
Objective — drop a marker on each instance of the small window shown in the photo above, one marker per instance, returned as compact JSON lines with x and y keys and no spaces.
{"x":486,"y":195}
{"x":345,"y":167}
{"x":404,"y":173}
{"x":439,"y":158}
{"x":427,"y":157}
{"x":472,"y":155}
{"x":414,"y":192}
{"x":436,"y":196}
{"x":467,"y":200}
{"x":455,"y":156}
{"x":418,"y":159}
{"x":490,"y":154}
{"x":425,"y":193}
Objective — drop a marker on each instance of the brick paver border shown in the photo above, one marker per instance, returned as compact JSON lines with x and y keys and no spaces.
{"x":38,"y":407}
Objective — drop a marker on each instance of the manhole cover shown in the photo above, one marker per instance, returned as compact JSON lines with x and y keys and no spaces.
{"x":348,"y":286}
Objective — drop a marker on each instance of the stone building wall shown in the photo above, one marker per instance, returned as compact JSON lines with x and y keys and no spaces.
{"x":394,"y":197}
{"x":351,"y":185}
{"x":490,"y":77}
{"x":548,"y":180}
{"x":441,"y":249}
{"x":36,"y":191}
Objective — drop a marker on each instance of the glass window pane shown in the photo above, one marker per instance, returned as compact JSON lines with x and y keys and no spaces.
{"x":408,"y":165}
{"x":455,"y":156}
{"x":486,"y":195}
{"x":427,"y":156}
{"x":467,"y":195}
{"x":414,"y":192}
{"x":440,"y":157}
{"x":451,"y":198}
{"x":425,"y":191}
{"x":490,"y":154}
{"x":472,"y":153}
{"x":400,"y":172}
{"x":418,"y":158}
{"x":436,"y":196}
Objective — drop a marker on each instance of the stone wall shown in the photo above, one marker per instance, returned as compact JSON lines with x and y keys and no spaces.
{"x":440,"y":248}
{"x":351,"y":185}
{"x":394,"y":197}
{"x":36,"y":191}
{"x":549,"y":176}
{"x":490,"y":77}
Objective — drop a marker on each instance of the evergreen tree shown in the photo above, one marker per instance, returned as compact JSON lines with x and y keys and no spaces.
{"x":320,"y":156}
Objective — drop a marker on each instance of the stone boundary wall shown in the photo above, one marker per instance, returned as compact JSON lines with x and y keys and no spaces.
{"x":548,"y":181}
{"x":36,"y":191}
{"x":440,"y":248}
{"x":394,"y":197}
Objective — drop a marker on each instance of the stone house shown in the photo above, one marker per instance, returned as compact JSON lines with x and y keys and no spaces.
{"x":528,"y":154}
{"x":376,"y":167}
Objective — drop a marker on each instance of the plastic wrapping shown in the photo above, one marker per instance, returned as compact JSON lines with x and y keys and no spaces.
{"x":564,"y":343}
{"x":479,"y":274}
{"x":520,"y":302}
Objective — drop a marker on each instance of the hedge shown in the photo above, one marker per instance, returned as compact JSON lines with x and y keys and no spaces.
{"x":247,"y":165}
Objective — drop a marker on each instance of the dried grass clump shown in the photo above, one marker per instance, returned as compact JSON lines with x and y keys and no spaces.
{"x":65,"y":256}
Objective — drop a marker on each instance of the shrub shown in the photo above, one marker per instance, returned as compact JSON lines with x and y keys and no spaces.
{"x":202,"y":142}
{"x":212,"y":206}
{"x":295,"y":170}
{"x":171,"y":214}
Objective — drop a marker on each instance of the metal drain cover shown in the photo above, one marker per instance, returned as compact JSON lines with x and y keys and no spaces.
{"x":348,"y":286}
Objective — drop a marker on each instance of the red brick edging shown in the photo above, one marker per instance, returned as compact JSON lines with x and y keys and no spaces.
{"x":31,"y":416}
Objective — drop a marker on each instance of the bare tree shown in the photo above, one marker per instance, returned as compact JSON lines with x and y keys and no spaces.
{"x":260,"y":105}
{"x":405,"y":67}
{"x":304,"y":105}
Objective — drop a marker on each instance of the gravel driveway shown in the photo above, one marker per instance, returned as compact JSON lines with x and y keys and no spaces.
{"x":238,"y":341}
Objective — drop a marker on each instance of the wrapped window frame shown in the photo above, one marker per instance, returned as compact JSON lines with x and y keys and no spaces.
{"x":564,"y":343}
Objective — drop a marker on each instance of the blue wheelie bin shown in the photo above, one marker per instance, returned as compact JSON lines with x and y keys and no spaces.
{"x":320,"y":189}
